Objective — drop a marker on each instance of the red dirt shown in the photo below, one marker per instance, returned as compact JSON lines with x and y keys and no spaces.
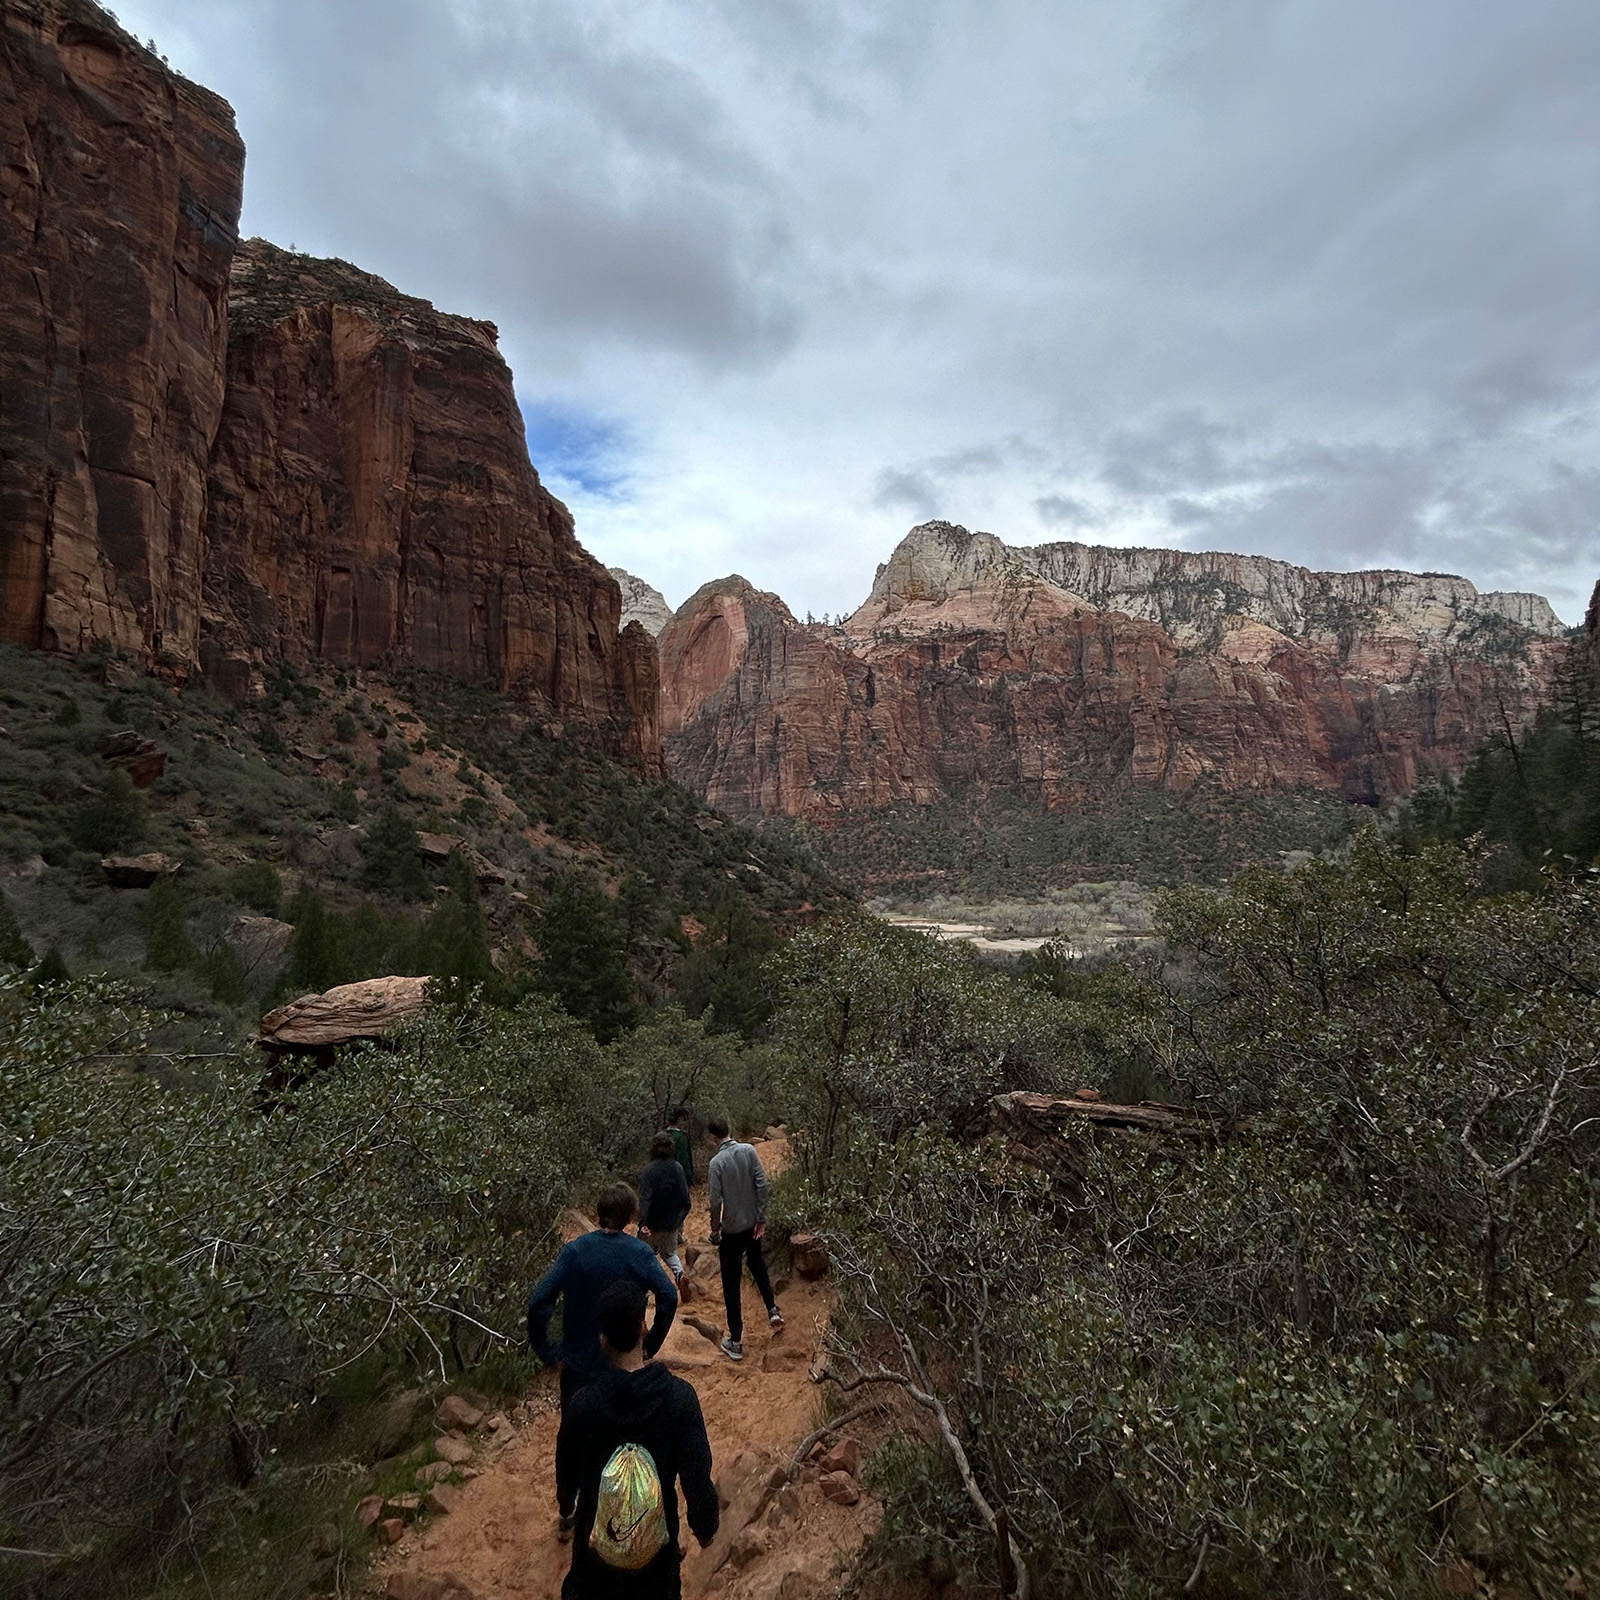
{"x":499,"y":1540}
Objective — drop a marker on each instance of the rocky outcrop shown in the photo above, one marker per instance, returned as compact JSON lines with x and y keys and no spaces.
{"x":224,"y":456}
{"x":372,"y":503}
{"x":120,"y":185}
{"x":971,"y":666}
{"x":641,"y":603}
{"x":944,"y":574}
{"x":371,"y":1009}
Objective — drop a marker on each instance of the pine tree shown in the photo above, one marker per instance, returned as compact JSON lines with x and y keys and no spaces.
{"x":112,"y":819}
{"x":15,"y":951}
{"x":455,"y":942}
{"x":583,"y":946}
{"x":393,"y":860}
{"x":315,"y":960}
{"x":167,"y":945}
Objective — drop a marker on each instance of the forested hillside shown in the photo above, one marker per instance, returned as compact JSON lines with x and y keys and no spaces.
{"x":307,"y":842}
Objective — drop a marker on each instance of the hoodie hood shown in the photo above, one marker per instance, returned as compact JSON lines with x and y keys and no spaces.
{"x":643,"y":1397}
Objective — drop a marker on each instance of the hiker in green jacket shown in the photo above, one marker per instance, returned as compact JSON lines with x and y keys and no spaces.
{"x":682,"y":1148}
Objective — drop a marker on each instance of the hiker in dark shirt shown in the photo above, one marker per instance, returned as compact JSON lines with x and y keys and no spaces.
{"x":663,"y":1203}
{"x":640,"y":1403}
{"x":580,"y":1275}
{"x":682,"y":1145}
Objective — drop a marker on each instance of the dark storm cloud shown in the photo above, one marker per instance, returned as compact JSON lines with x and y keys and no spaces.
{"x":1316,"y":280}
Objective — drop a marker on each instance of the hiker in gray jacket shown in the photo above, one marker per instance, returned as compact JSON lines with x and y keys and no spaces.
{"x":737,"y":1184}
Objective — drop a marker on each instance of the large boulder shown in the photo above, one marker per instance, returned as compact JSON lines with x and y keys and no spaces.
{"x":371,"y":1009}
{"x":138,"y":872}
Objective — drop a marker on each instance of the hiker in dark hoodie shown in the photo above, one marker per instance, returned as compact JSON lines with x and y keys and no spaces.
{"x":664,"y":1203}
{"x":579,"y":1276}
{"x":640,"y":1403}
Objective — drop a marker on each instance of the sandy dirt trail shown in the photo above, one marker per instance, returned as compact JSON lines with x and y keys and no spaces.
{"x":498,"y":1541}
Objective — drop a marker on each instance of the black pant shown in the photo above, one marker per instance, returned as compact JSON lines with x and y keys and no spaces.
{"x":571,"y":1382}
{"x":733,"y":1251}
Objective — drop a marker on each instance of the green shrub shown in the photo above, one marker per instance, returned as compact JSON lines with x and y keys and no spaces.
{"x":68,"y":714}
{"x":257,"y":884}
{"x":15,"y":951}
{"x":111,"y":820}
{"x":165,"y":921}
{"x":392,"y":861}
{"x":344,"y":728}
{"x":224,"y":970}
{"x":1339,"y":1349}
{"x":584,"y":956}
{"x":185,"y":1273}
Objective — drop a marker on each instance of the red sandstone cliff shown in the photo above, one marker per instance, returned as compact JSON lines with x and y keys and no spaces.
{"x":120,"y":185}
{"x":343,"y":476}
{"x":371,"y":502}
{"x":970,"y":666}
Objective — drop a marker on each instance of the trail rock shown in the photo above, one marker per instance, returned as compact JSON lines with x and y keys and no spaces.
{"x":452,"y":1448}
{"x":747,"y":1547}
{"x":442,"y":1499}
{"x":393,"y":1421}
{"x":413,"y":1586}
{"x":392,"y":1530}
{"x":434,"y":1472}
{"x":455,"y":1412}
{"x":369,"y":1509}
{"x":845,"y":1456}
{"x":809,"y":1255}
{"x":840,"y":1488}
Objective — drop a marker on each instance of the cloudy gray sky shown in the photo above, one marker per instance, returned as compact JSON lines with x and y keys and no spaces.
{"x":1318,"y":279}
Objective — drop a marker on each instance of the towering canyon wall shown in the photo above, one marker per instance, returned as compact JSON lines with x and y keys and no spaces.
{"x":340,"y":476}
{"x":970,"y":665}
{"x":120,"y":186}
{"x":371,"y":502}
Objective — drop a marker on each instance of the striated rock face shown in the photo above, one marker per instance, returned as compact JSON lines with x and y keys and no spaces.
{"x":371,"y":502}
{"x":972,"y":664}
{"x":120,"y":186}
{"x":641,"y":603}
{"x":341,"y":475}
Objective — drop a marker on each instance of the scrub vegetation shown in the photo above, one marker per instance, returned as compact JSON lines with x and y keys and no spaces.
{"x":1341,"y":1337}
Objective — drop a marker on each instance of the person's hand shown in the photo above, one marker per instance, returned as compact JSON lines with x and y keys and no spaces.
{"x":716,"y":1236}
{"x":759,"y":1231}
{"x":644,"y":1232}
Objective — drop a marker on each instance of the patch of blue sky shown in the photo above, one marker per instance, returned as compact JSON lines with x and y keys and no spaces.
{"x":571,"y":445}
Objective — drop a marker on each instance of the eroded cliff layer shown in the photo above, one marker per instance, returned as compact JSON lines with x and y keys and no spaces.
{"x":972,"y":665}
{"x":371,"y":502}
{"x":120,"y":186}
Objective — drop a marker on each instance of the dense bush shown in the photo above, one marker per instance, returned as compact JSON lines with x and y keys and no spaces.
{"x":186,"y":1271}
{"x":885,"y":1031}
{"x":1350,"y":1347}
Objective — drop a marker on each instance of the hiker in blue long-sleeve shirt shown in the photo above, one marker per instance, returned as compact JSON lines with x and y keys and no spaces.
{"x":580,"y":1273}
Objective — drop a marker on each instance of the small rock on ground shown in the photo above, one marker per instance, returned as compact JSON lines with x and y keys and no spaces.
{"x":454,"y":1412}
{"x":840,"y":1488}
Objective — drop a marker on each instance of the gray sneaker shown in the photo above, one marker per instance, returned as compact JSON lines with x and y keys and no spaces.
{"x":775,"y":1317}
{"x":732,"y":1349}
